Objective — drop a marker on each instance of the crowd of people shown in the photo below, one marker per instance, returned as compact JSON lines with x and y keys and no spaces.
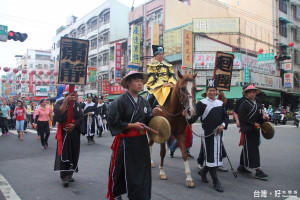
{"x":128,"y":118}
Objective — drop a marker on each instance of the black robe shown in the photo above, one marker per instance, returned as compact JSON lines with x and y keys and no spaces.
{"x":250,"y":113}
{"x":132,"y":171}
{"x":101,"y":115}
{"x":90,"y":120}
{"x":71,"y":141}
{"x":213,"y":114}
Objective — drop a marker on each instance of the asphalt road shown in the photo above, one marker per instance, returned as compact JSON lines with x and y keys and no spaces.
{"x":29,"y":170}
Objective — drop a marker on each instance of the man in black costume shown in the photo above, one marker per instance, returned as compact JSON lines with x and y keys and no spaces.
{"x":130,"y":167}
{"x":68,"y":138}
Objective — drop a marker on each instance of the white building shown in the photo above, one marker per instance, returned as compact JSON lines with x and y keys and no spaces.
{"x":39,"y":61}
{"x":106,"y":23}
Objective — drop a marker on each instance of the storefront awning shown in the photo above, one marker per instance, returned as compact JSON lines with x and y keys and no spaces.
{"x":271,"y":93}
{"x":234,"y":93}
{"x":112,"y":97}
{"x":285,"y":20}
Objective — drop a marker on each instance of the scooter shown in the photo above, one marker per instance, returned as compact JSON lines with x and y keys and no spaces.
{"x":277,"y":118}
{"x":296,"y":119}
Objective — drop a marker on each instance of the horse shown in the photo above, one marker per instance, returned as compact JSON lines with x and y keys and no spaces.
{"x":181,"y":97}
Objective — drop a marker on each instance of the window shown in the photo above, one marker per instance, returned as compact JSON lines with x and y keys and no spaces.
{"x":106,"y":17}
{"x":297,"y":57}
{"x":296,"y":12}
{"x":105,"y":59}
{"x":283,"y":6}
{"x":105,"y":38}
{"x":297,"y":35}
{"x":42,"y":57}
{"x":58,"y":44}
{"x":94,"y":43}
{"x":282,"y":28}
{"x":92,"y":25}
{"x":94,"y":62}
{"x":157,"y":16}
{"x":81,"y":31}
{"x":46,"y":66}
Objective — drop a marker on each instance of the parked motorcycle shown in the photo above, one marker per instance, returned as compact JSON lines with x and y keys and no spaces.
{"x":277,"y":118}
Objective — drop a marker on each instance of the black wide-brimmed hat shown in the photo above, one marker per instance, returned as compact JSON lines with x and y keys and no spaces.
{"x":123,"y":82}
{"x":89,"y":95}
{"x":157,"y":49}
{"x":211,"y":83}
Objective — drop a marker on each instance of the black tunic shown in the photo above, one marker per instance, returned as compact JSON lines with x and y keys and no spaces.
{"x":71,"y":141}
{"x":101,"y":115}
{"x":132,"y":172}
{"x":250,"y":113}
{"x":213,"y":114}
{"x":90,"y":120}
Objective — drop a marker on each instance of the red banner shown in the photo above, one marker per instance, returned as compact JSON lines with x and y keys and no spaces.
{"x":30,"y":82}
{"x":117,"y":89}
{"x":118,"y":56}
{"x":105,"y":87}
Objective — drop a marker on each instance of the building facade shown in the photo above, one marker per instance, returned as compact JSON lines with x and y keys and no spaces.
{"x":105,"y":24}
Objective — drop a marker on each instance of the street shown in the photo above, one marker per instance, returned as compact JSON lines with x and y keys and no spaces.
{"x":29,"y":170}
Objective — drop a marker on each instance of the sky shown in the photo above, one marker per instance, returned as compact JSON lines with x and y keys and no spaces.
{"x":40,"y":19}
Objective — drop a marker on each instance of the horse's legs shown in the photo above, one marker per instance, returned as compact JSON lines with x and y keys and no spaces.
{"x":161,"y":166}
{"x":181,"y":142}
{"x":151,"y":142}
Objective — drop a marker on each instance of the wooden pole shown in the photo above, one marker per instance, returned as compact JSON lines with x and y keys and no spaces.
{"x":70,"y":105}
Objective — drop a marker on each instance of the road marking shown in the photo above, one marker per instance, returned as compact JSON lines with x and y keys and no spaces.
{"x":33,"y":131}
{"x":7,"y":190}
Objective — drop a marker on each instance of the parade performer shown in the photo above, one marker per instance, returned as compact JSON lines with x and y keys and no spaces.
{"x":130,"y":167}
{"x":213,"y":116}
{"x":251,"y":116}
{"x":68,"y":138}
{"x":89,"y":111}
{"x":101,"y":116}
{"x":161,"y":77}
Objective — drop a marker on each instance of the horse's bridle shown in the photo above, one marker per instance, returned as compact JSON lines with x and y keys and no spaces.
{"x":187,"y":97}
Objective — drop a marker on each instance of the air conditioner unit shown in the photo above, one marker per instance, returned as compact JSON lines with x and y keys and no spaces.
{"x":147,"y":19}
{"x":147,"y":44}
{"x":100,"y":57}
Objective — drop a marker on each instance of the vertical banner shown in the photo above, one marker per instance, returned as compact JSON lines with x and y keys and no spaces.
{"x":100,"y":82}
{"x":154,"y":36}
{"x":135,"y":44}
{"x":187,"y":48}
{"x":246,"y":80}
{"x":118,"y":62}
{"x":289,"y":80}
{"x":73,"y":61}
{"x":118,"y":56}
{"x":223,"y":70}
{"x":30,"y":82}
{"x":93,"y":74}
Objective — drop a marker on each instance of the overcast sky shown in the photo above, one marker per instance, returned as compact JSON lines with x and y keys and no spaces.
{"x":40,"y":19}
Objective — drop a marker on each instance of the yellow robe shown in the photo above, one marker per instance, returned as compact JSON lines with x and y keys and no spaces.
{"x":160,"y":73}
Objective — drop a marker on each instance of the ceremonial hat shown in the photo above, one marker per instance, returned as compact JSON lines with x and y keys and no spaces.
{"x":211,"y":83}
{"x":89,"y":95}
{"x":157,"y":49}
{"x":66,"y":90}
{"x":251,"y":87}
{"x":100,"y":97}
{"x":144,"y":75}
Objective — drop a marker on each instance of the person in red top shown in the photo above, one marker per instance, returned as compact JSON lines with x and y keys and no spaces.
{"x":20,"y":113}
{"x":41,"y":119}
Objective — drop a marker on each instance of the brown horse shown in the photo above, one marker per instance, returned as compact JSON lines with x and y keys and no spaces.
{"x":182,"y":97}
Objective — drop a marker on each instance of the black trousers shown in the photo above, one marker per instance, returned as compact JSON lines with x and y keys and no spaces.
{"x":4,"y":125}
{"x":250,"y":156}
{"x":43,"y":131}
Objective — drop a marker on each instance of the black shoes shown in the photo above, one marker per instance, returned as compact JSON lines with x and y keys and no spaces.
{"x":218,"y":186}
{"x":203,"y":173}
{"x":65,"y":183}
{"x":71,"y":180}
{"x":190,"y":156}
{"x":243,"y":170}
{"x":261,"y":175}
{"x":171,"y":154}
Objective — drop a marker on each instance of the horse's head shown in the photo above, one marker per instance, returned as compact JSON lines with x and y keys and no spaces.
{"x":186,"y":91}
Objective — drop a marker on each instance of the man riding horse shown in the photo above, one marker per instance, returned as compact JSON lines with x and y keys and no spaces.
{"x":161,"y":77}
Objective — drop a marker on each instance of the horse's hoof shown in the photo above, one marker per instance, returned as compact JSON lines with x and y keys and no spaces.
{"x":153,"y":165}
{"x":190,"y":184}
{"x":163,"y":177}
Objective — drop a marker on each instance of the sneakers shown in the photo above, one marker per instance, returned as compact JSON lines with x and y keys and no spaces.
{"x":222,"y":169}
{"x":171,"y":154}
{"x":190,"y":156}
{"x":200,"y":166}
{"x":261,"y":175}
{"x":243,"y":170}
